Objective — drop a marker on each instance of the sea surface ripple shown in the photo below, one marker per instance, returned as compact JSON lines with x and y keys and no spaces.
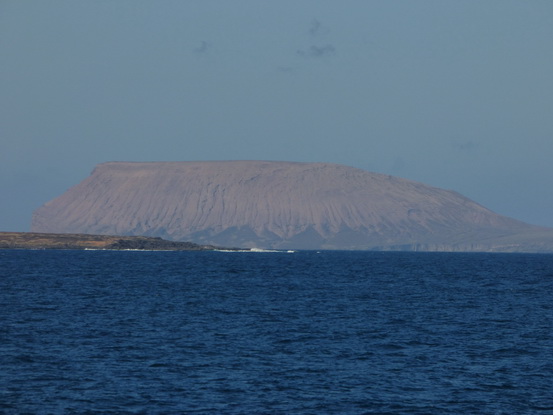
{"x":276,"y":333}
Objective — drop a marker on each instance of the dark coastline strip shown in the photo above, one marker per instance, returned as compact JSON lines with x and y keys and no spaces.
{"x":41,"y":241}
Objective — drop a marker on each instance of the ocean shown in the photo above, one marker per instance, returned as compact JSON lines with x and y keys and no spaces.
{"x":107,"y":332}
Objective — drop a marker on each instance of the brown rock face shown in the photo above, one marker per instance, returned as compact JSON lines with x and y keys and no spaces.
{"x":281,"y":205}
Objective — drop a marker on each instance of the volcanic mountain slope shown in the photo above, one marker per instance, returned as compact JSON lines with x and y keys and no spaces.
{"x":281,"y":205}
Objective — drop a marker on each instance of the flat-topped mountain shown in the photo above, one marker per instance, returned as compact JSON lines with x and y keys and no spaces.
{"x":282,"y":205}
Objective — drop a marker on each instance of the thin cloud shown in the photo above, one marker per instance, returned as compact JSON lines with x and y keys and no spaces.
{"x":202,"y":48}
{"x":467,"y":146}
{"x":315,"y":51}
{"x":319,"y":50}
{"x":317,"y":28}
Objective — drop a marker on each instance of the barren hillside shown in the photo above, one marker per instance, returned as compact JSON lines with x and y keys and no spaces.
{"x":280,"y":205}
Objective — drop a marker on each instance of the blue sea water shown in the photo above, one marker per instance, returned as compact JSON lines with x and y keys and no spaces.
{"x":275,"y":333}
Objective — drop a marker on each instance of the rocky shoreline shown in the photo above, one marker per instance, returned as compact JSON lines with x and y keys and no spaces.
{"x":34,"y":240}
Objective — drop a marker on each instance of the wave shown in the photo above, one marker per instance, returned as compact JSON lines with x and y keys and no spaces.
{"x":256,"y":250}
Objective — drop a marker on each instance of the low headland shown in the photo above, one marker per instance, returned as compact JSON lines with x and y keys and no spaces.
{"x":34,"y":240}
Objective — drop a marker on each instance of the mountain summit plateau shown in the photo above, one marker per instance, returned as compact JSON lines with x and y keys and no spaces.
{"x":282,"y":205}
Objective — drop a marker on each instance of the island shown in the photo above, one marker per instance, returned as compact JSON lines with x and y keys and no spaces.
{"x":281,"y":205}
{"x":35,"y":240}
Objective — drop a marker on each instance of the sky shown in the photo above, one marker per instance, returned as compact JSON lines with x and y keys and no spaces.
{"x":454,"y":94}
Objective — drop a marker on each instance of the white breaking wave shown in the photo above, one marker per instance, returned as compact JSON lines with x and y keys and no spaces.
{"x":255,"y":250}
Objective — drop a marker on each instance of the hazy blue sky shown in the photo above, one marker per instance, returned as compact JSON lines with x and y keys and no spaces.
{"x":455,"y":94}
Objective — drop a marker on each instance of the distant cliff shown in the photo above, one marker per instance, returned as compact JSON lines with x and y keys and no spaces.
{"x":281,"y":205}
